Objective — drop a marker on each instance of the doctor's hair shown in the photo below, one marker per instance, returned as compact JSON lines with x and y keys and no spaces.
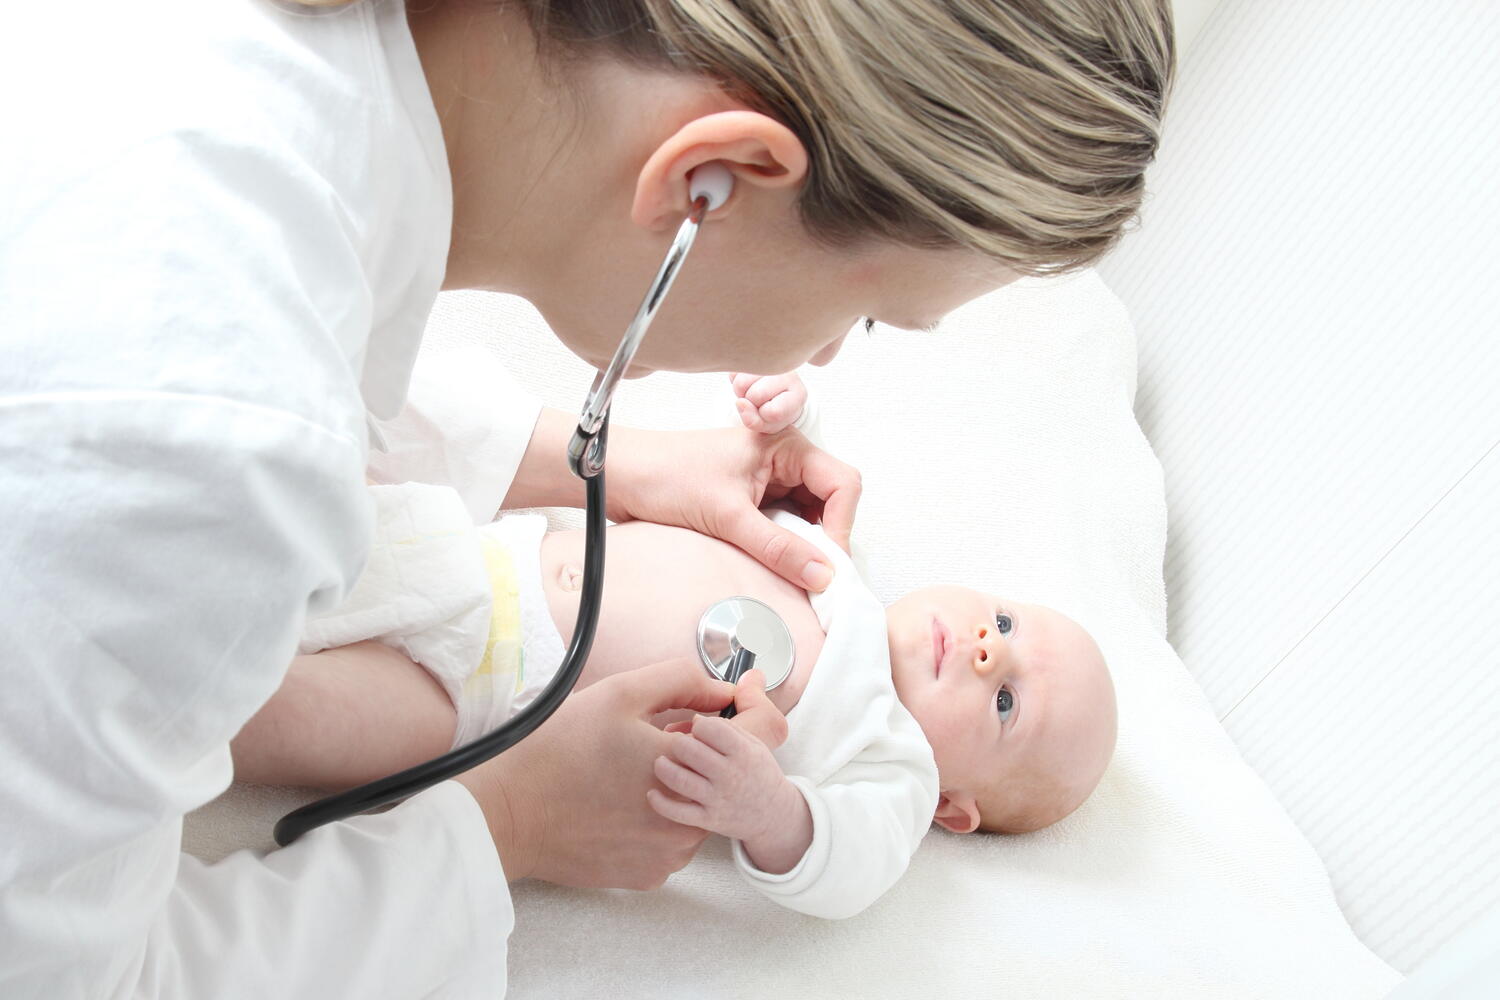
{"x":1019,"y":129}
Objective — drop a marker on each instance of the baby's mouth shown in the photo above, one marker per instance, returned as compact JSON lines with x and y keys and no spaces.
{"x":942,"y":639}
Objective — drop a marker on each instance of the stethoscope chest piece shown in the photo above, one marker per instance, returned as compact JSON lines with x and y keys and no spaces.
{"x":743,"y":623}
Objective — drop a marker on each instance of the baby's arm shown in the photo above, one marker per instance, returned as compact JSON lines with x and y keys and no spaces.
{"x":870,"y":814}
{"x":730,"y":783}
{"x":769,"y":403}
{"x":345,"y":716}
{"x":772,"y":403}
{"x":867,"y":820}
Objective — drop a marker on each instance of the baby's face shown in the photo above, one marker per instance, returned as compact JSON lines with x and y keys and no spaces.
{"x":1014,"y":698}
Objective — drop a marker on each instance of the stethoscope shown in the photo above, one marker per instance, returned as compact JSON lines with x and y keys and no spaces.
{"x":733,"y":635}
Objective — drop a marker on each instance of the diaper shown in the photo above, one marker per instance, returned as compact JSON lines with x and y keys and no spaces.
{"x":521,"y":627}
{"x":465,"y":602}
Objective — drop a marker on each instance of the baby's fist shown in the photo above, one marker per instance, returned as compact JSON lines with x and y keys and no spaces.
{"x":769,"y":403}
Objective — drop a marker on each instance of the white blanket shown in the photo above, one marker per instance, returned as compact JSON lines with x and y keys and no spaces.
{"x":1000,"y":453}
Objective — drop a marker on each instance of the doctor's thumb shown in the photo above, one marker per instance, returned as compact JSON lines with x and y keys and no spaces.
{"x":755,"y":713}
{"x":670,"y":684}
{"x":785,"y":553}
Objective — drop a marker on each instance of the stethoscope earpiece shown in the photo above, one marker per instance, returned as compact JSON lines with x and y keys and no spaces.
{"x":713,"y":181}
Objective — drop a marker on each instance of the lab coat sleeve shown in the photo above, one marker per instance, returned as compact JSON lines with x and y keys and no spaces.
{"x":340,"y":905}
{"x":868,"y":817}
{"x":159,"y":552}
{"x":466,"y":424}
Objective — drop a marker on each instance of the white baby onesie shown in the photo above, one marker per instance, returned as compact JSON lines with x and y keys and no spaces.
{"x":855,"y":753}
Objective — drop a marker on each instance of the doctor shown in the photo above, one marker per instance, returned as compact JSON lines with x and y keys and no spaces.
{"x":223,"y":227}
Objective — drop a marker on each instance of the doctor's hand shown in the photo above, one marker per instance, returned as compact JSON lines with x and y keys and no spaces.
{"x":755,"y":713}
{"x":568,"y":803}
{"x":714,"y":481}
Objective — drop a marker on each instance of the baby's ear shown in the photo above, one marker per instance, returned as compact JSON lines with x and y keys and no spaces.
{"x":957,"y":812}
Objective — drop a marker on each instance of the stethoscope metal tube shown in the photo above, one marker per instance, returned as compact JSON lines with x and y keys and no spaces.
{"x":710,"y":187}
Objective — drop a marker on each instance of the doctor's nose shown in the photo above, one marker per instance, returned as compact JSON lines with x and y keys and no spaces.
{"x":828,"y":353}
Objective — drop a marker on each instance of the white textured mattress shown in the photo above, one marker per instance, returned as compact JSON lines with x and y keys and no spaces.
{"x":1316,"y":287}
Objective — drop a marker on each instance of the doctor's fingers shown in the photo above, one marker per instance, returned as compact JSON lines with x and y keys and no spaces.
{"x":788,"y":555}
{"x":799,"y":462}
{"x":675,"y":819}
{"x":756,"y":715}
{"x":676,"y":683}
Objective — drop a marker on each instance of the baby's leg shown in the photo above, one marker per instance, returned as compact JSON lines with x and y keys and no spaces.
{"x":343,"y":717}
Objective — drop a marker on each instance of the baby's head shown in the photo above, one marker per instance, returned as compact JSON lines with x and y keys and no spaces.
{"x":1015,"y":700}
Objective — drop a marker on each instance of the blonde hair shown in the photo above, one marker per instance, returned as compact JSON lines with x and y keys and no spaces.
{"x":1018,"y":129}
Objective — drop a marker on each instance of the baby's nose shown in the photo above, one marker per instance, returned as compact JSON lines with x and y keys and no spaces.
{"x":986,"y":650}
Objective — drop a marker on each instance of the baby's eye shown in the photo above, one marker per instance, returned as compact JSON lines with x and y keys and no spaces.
{"x":1005,"y":702}
{"x":1003,"y":624}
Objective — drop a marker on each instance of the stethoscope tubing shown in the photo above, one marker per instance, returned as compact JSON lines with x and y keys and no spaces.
{"x":423,"y":776}
{"x":586,"y":457}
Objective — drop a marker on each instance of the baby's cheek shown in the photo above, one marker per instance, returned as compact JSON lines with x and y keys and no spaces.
{"x":927,"y":719}
{"x":954,"y":747}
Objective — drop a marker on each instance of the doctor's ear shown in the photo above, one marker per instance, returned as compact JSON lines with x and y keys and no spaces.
{"x":760,"y":152}
{"x":957,"y":812}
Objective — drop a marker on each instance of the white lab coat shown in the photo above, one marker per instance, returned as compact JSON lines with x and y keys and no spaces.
{"x":222,"y":226}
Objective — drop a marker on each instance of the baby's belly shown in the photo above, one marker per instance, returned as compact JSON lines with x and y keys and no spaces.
{"x":658,"y":581}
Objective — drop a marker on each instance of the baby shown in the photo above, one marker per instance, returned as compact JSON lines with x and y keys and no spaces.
{"x":950,"y":706}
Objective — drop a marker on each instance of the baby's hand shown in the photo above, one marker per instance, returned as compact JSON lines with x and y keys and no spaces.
{"x":769,"y":403}
{"x":729,"y":782}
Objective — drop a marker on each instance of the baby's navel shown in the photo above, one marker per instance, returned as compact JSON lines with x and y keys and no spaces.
{"x":570,"y":577}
